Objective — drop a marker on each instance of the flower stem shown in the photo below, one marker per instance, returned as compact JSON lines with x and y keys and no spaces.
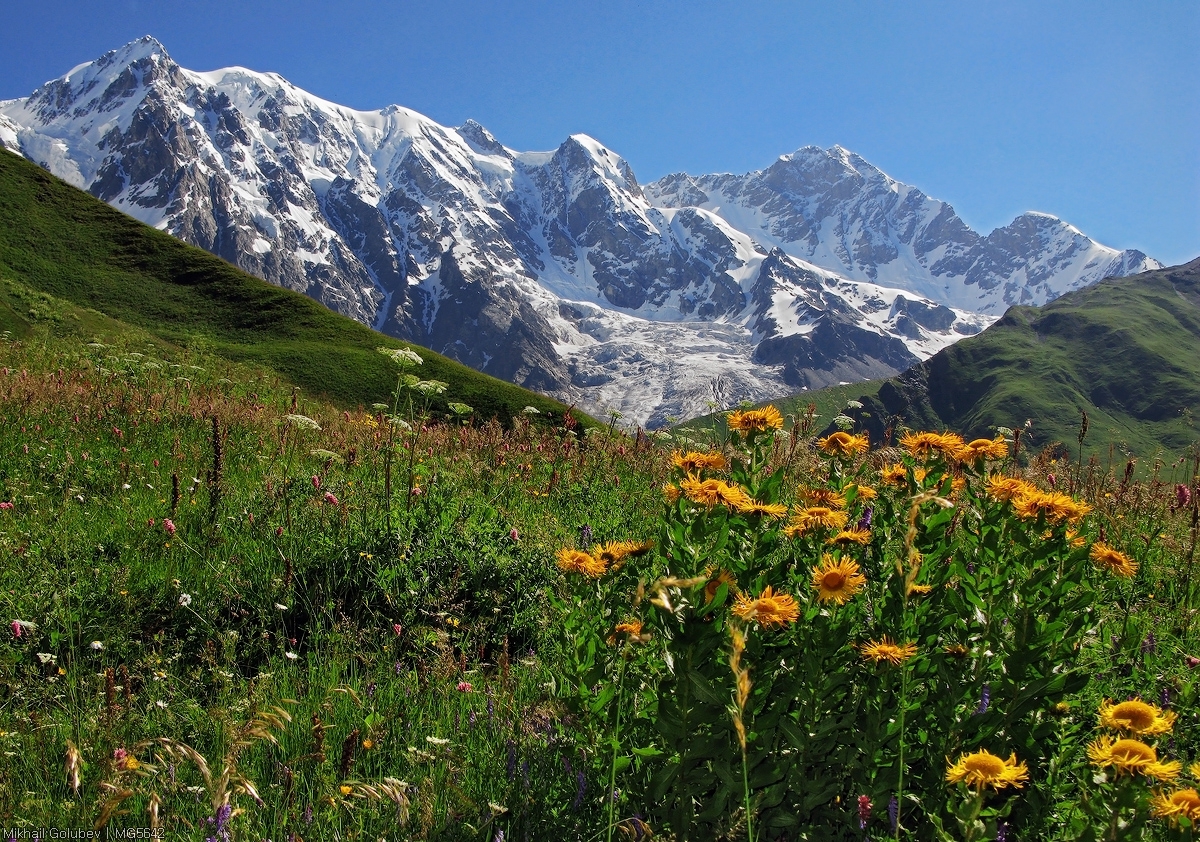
{"x":612,"y":772}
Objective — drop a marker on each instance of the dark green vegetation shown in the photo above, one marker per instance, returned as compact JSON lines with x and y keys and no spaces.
{"x":58,"y":240}
{"x":1126,"y":351}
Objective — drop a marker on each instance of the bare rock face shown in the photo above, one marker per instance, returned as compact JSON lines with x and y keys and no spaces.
{"x":555,"y":270}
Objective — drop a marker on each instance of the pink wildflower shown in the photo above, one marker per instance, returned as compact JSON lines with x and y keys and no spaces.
{"x":278,"y":531}
{"x":17,"y":629}
{"x":316,"y":481}
{"x":330,"y":498}
{"x":397,"y":628}
{"x":464,"y":687}
{"x":169,"y":526}
{"x":6,"y":505}
{"x":514,"y":534}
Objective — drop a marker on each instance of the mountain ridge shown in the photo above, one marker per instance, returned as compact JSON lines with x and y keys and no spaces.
{"x":556,"y":270}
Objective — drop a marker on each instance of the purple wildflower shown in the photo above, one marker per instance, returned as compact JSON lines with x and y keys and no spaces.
{"x":511,"y":765}
{"x":1002,"y":832}
{"x":1149,"y":644}
{"x":985,"y":699}
{"x":893,"y":812}
{"x":308,"y":815}
{"x":585,"y":535}
{"x":580,"y":790}
{"x":864,"y":522}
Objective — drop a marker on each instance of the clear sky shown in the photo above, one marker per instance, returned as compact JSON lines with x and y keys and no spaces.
{"x":1086,"y":110}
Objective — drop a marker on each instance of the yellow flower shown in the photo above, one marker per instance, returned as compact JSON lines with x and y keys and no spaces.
{"x":751,"y":420}
{"x":982,"y":768}
{"x":671,"y":492}
{"x":710,"y":492}
{"x":769,"y":609}
{"x":886,"y":650}
{"x":821,"y":497}
{"x":577,"y":561}
{"x":924,"y":445}
{"x":1054,"y":505}
{"x":1136,"y":717}
{"x":815,"y":517}
{"x":368,"y":744}
{"x":837,"y":581}
{"x":693,"y":462}
{"x":843,"y":444}
{"x":346,"y":789}
{"x":919,"y":590}
{"x":863,"y":493}
{"x":1181,"y":804}
{"x":1005,"y":488}
{"x":753,"y":507}
{"x":615,"y":552}
{"x":1132,"y":756}
{"x":723,"y":577}
{"x":1117,"y":563}
{"x":894,"y":475}
{"x":996,"y":448}
{"x":633,"y":628}
{"x":853,"y":535}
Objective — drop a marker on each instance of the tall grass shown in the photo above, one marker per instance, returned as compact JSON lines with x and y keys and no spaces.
{"x":236,"y":612}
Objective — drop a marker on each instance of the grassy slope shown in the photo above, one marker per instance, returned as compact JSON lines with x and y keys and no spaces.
{"x":828,"y":402}
{"x":1126,"y":351}
{"x":59,"y":240}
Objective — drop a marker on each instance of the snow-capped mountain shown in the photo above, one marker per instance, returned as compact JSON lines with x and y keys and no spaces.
{"x":555,"y":270}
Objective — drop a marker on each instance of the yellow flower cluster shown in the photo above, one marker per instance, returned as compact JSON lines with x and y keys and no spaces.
{"x":1127,"y":755}
{"x":1030,"y":502}
{"x":1114,"y":561}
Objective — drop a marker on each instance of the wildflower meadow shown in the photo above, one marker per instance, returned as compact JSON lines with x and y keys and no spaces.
{"x":235,"y":611}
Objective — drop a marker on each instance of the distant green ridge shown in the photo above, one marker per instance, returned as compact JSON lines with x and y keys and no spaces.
{"x":1125,"y":350}
{"x":62,"y":241}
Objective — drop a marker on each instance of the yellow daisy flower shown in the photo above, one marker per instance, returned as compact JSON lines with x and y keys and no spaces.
{"x":1181,"y":804}
{"x":1054,"y":505}
{"x":751,"y":420}
{"x":981,"y":769}
{"x":753,"y":507}
{"x":693,"y":462}
{"x":769,"y":609}
{"x":1132,"y":756}
{"x":1115,"y":562}
{"x":723,"y":577}
{"x":577,"y":561}
{"x":924,"y":445}
{"x":837,"y":581}
{"x":710,"y":492}
{"x":894,"y":475}
{"x":863,"y":493}
{"x":886,"y":650}
{"x":815,"y":517}
{"x":1004,"y":488}
{"x":853,"y":535}
{"x":972,"y":451}
{"x":843,"y":444}
{"x":821,"y":497}
{"x":1136,"y":717}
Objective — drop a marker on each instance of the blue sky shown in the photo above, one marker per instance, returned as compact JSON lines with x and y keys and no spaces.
{"x":1087,"y":110}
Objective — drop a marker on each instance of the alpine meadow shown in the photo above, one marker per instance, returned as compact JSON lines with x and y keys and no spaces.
{"x":268,"y":573}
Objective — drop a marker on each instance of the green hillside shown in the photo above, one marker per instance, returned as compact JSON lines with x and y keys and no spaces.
{"x":58,"y":240}
{"x":1126,"y":351}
